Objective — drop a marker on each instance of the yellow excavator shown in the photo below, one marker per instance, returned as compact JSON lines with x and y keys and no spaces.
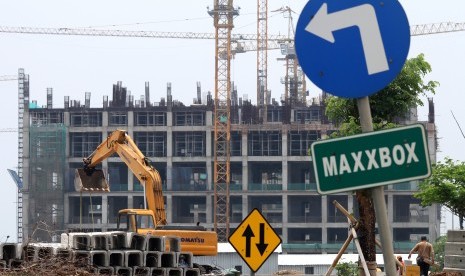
{"x":152,"y":219}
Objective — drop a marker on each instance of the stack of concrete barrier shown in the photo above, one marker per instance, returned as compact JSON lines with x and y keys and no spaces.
{"x":108,"y":253}
{"x":454,"y":259}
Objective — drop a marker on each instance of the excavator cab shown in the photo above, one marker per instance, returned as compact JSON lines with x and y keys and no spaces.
{"x":136,"y":220}
{"x":92,"y":180}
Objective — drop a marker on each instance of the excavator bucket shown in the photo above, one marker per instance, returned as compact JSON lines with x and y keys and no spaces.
{"x":90,"y":182}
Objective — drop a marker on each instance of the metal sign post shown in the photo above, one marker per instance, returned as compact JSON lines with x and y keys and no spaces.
{"x":378,"y":197}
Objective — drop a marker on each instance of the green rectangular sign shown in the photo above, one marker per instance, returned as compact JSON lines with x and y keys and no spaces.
{"x":371,"y":159}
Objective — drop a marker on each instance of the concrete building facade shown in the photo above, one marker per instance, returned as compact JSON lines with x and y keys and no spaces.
{"x":271,"y":169}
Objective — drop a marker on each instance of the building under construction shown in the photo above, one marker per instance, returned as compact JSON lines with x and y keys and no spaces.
{"x":270,"y":168}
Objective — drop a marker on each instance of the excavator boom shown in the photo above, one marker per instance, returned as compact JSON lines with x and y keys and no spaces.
{"x":195,"y":239}
{"x":89,"y":178}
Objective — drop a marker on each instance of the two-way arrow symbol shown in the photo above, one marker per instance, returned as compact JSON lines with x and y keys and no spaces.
{"x":262,"y":245}
{"x":364,"y":17}
{"x":248,"y":234}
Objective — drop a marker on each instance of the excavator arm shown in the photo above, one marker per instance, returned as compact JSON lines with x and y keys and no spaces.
{"x":121,"y":143}
{"x":195,"y":239}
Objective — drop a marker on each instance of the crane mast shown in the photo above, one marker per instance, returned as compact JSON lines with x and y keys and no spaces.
{"x":262,"y":59}
{"x":223,"y":14}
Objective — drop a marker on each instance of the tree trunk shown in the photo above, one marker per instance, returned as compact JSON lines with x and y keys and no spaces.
{"x":367,"y":220}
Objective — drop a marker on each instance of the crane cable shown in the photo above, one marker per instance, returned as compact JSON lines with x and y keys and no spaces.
{"x":457,"y":124}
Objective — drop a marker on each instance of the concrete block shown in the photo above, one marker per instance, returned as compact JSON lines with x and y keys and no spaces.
{"x":81,"y":258}
{"x":448,"y":269}
{"x":173,"y":243}
{"x":100,"y":241}
{"x":191,"y":272}
{"x":34,"y":252}
{"x":184,"y":259}
{"x":129,"y":239}
{"x":174,"y":271}
{"x":29,"y":253}
{"x":44,"y":253}
{"x":116,"y":258}
{"x":456,"y":236}
{"x":454,"y":248}
{"x":79,"y":241}
{"x":10,"y":251}
{"x":123,"y":271}
{"x":157,"y":271}
{"x":133,"y":258}
{"x":155,"y":243}
{"x":99,"y":258}
{"x":63,"y":254}
{"x":64,"y":239}
{"x":454,"y":261}
{"x":105,"y":270}
{"x":152,"y":258}
{"x":141,"y":271}
{"x":138,"y":242}
{"x":119,"y":240}
{"x":168,"y":259}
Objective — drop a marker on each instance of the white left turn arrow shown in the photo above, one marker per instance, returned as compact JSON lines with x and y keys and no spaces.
{"x":364,"y":17}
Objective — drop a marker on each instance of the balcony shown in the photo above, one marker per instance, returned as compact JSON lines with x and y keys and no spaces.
{"x":273,"y":212}
{"x":415,"y":218}
{"x":118,"y":187}
{"x":404,"y":186}
{"x":198,"y":208}
{"x":265,"y":187}
{"x":235,"y":186}
{"x":95,"y":210}
{"x":338,"y":218}
{"x":189,"y":187}
{"x":304,"y":219}
{"x":301,"y":186}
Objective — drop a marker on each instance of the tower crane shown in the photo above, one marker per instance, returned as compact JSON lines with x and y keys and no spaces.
{"x":294,"y":80}
{"x":223,"y":14}
{"x":226,"y":46}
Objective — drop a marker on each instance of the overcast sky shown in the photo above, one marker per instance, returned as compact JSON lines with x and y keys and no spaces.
{"x":75,"y":65}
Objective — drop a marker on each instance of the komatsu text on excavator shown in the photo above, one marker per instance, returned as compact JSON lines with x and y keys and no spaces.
{"x":152,"y":219}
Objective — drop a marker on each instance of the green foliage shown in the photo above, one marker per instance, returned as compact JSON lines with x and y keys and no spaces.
{"x":439,"y":253}
{"x":393,"y":101}
{"x":353,"y":127}
{"x":347,"y":269}
{"x":445,"y":186}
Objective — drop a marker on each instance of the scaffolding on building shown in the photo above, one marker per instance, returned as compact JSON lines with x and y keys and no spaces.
{"x":45,"y":188}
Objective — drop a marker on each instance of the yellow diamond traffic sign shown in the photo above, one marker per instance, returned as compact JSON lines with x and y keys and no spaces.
{"x":254,"y":240}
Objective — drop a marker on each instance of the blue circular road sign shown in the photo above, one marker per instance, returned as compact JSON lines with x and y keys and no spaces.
{"x":352,"y":48}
